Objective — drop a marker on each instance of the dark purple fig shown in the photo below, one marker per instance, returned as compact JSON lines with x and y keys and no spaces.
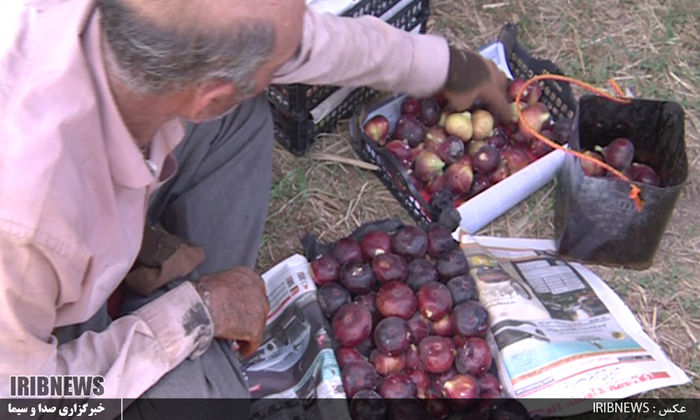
{"x":458,"y":178}
{"x":368,"y":405}
{"x":410,"y":242}
{"x":619,"y":153}
{"x":420,"y":271}
{"x":451,"y":150}
{"x":346,"y":250}
{"x":331,"y":297}
{"x":377,"y":129}
{"x":435,"y":136}
{"x":470,"y":319}
{"x":498,"y":140}
{"x":358,"y":376}
{"x":428,"y":166}
{"x":429,"y":112}
{"x":462,"y":288}
{"x":392,"y":336}
{"x":369,"y":300}
{"x":399,"y":386}
{"x":410,"y":129}
{"x":410,"y":106}
{"x":590,"y":168}
{"x":358,"y":278}
{"x":419,"y":327}
{"x":440,"y":240}
{"x":452,"y":264}
{"x":352,"y":324}
{"x":645,"y":174}
{"x":325,"y":269}
{"x":401,"y":151}
{"x":375,"y":243}
{"x":480,"y":183}
{"x":486,"y":160}
{"x":389,"y":267}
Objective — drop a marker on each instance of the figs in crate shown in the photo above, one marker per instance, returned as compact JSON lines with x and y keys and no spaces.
{"x":462,"y":288}
{"x":421,"y":379}
{"x":452,"y":264}
{"x":370,"y":301}
{"x":358,"y":376}
{"x":377,"y":128}
{"x":429,"y":112}
{"x":489,"y":383}
{"x":345,"y":355}
{"x":352,"y":324}
{"x":386,"y":365}
{"x":443,"y":327}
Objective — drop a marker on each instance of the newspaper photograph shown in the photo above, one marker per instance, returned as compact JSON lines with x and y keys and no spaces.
{"x":558,"y":330}
{"x":294,"y":369}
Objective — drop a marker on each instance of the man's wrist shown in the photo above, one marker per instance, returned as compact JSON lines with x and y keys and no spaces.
{"x":467,"y":70}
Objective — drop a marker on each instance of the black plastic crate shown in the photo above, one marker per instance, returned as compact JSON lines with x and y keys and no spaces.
{"x":292,"y":104}
{"x":558,"y":97}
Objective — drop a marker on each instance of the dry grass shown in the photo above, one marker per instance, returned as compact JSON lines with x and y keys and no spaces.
{"x":649,"y":46}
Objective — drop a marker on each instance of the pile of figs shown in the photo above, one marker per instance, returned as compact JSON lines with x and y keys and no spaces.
{"x":404,"y":311}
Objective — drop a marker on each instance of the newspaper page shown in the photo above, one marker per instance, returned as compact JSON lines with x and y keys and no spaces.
{"x":294,"y":373}
{"x":559,"y":331}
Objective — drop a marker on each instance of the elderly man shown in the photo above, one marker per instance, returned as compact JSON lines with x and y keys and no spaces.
{"x":120,"y":114}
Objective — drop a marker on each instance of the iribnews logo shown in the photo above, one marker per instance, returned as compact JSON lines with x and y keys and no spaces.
{"x":57,"y":386}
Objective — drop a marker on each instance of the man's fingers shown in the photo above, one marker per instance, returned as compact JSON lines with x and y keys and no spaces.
{"x":499,"y":105}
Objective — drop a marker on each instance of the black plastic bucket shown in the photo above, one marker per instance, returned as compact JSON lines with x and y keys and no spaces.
{"x":595,"y":220}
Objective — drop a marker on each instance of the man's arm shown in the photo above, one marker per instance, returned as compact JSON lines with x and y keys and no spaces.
{"x":133,"y":353}
{"x":366,"y":51}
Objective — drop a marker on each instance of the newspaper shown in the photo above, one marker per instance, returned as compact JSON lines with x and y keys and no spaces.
{"x":559,"y":331}
{"x":294,"y":369}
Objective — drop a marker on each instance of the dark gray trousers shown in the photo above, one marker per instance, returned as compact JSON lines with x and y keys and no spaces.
{"x":218,"y":199}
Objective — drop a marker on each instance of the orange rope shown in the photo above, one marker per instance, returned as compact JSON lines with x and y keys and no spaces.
{"x":635,"y":193}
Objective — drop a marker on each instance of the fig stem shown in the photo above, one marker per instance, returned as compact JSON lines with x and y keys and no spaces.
{"x":635,"y":191}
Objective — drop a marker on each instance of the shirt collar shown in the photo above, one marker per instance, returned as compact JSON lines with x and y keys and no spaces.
{"x":127,"y":163}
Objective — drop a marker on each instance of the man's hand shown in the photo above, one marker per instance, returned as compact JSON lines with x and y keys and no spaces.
{"x":473,"y":77}
{"x":238,"y":304}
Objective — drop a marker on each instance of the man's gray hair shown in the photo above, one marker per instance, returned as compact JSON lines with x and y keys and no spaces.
{"x":155,"y":59}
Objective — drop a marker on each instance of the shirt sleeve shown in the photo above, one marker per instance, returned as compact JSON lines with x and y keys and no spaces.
{"x":366,"y":51}
{"x":132,"y":354}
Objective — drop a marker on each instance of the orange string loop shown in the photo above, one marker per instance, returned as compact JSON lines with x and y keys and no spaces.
{"x":635,"y":191}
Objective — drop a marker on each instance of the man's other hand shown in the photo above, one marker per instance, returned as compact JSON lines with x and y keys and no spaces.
{"x":237,"y":300}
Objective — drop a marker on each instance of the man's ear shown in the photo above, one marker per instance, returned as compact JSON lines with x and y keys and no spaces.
{"x":207,"y":95}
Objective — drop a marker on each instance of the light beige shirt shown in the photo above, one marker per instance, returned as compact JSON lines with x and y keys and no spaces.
{"x":74,"y":186}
